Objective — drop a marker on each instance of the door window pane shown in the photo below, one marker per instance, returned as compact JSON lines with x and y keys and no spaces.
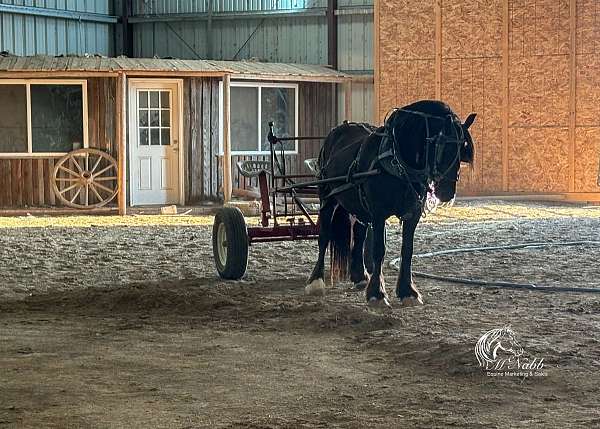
{"x":165,"y":136}
{"x":56,"y":117}
{"x":154,"y":136}
{"x":154,"y":118}
{"x":144,"y":137}
{"x":165,"y":118}
{"x":278,"y":105}
{"x":143,"y":118}
{"x":244,"y":118}
{"x":13,"y":118}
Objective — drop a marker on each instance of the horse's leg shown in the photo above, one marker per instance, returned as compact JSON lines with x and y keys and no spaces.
{"x":358,"y":275}
{"x":376,"y":295}
{"x":316,"y":283}
{"x":406,"y":291}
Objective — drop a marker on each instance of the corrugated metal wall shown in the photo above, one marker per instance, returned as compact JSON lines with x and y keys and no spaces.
{"x":300,"y":39}
{"x":29,"y":34}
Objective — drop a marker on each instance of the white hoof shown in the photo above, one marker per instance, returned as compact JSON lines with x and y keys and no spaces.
{"x":411,"y":301}
{"x":379,"y":303}
{"x":316,"y":287}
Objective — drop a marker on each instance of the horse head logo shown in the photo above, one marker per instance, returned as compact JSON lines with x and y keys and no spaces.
{"x":492,"y":343}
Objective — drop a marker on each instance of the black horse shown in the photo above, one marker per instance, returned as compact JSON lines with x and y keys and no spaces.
{"x":390,"y":171}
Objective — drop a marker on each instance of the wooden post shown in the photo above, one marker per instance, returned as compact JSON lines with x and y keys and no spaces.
{"x":332,"y":34}
{"x":209,"y":30}
{"x":505,"y":92}
{"x":121,"y":136}
{"x":438,"y":49}
{"x":572,"y":90}
{"x":348,"y":100}
{"x":226,"y":140}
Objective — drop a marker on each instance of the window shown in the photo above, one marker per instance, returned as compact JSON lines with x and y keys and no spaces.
{"x":42,"y":117}
{"x":154,"y":116}
{"x":253,"y":106}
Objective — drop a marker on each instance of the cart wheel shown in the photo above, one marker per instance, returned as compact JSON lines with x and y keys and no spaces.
{"x":230,"y":243}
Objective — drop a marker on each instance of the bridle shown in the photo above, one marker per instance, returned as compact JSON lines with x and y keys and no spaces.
{"x":434,"y":145}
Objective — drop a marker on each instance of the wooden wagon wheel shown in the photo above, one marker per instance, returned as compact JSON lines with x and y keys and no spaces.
{"x":85,"y":178}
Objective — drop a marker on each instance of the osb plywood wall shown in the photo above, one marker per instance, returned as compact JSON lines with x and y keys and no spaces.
{"x":529,"y":68}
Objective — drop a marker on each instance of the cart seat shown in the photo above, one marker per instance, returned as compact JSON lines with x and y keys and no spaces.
{"x":252,"y":168}
{"x":312,"y":164}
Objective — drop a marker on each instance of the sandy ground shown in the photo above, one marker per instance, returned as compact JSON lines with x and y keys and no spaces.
{"x":122,"y":323}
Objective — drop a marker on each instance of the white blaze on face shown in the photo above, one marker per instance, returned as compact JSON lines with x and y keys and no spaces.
{"x":431,"y":201}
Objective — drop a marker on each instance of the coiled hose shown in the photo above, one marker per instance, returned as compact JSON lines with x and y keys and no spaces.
{"x":503,"y":284}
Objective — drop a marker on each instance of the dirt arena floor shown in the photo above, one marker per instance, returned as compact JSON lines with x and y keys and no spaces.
{"x":110,"y":322}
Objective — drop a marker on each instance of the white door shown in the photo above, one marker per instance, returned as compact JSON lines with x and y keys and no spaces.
{"x":154,"y":143}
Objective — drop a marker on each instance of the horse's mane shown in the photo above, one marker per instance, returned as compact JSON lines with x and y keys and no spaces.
{"x":483,"y":348}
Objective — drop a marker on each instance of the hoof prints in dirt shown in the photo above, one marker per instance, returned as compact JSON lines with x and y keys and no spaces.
{"x":228,"y":304}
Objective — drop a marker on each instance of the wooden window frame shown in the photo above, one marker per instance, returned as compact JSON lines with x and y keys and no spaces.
{"x":28,"y":83}
{"x":258,"y":85}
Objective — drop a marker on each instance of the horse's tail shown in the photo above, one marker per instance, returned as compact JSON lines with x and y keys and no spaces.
{"x":341,"y":237}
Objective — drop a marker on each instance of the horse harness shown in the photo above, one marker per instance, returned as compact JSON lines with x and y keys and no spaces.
{"x":393,"y":164}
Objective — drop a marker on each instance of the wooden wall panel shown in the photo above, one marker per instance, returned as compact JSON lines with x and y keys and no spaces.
{"x":406,"y":82}
{"x":472,"y":29}
{"x":406,"y":29}
{"x":587,"y":131}
{"x":588,"y":94}
{"x":200,"y":107}
{"x":539,"y":27}
{"x":587,"y":159}
{"x":26,"y":183}
{"x":474,"y":85}
{"x":539,"y":160}
{"x":549,"y":149}
{"x":101,"y":114}
{"x":588,"y":26}
{"x":406,"y":44}
{"x":539,"y":91}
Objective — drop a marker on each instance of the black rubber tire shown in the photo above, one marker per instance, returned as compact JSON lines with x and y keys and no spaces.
{"x":236,"y":236}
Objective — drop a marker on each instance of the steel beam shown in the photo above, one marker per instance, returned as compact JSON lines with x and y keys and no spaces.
{"x":58,"y":13}
{"x":259,"y":14}
{"x":332,"y":34}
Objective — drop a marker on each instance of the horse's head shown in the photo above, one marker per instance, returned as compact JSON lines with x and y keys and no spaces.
{"x":431,"y":140}
{"x":509,"y":343}
{"x":452,"y":145}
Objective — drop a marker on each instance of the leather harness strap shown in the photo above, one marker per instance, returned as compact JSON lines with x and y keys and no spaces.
{"x":393,"y":165}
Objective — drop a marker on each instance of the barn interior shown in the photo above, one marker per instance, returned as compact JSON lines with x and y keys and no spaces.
{"x":158,"y":245}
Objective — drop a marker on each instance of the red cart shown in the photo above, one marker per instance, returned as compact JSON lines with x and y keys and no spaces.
{"x":287,"y":210}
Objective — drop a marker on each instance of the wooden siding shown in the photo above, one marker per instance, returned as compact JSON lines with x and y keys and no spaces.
{"x":529,"y":69}
{"x":27,"y":182}
{"x":201,"y":132}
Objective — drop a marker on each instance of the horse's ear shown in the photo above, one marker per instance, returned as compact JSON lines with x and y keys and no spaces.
{"x":469,"y":121}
